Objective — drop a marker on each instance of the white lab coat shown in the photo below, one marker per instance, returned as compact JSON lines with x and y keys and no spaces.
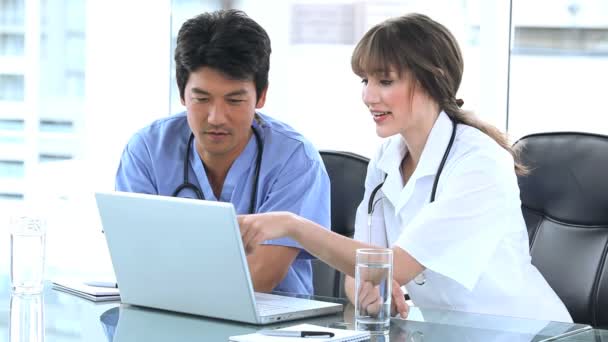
{"x":472,"y":240}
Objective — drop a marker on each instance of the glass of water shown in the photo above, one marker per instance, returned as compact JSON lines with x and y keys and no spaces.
{"x":28,"y":235}
{"x":373,"y":282}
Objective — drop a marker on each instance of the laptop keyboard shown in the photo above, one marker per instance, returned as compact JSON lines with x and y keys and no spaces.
{"x":269,"y":309}
{"x":269,"y":304}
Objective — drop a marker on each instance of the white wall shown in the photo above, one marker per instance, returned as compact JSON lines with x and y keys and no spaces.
{"x":313,"y":88}
{"x":127,"y":75}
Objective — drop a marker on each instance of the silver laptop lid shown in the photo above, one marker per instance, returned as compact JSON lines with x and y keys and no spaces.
{"x":173,"y":253}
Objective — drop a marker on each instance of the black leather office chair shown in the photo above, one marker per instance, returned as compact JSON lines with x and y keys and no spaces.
{"x":347,"y":173}
{"x":565,"y":205}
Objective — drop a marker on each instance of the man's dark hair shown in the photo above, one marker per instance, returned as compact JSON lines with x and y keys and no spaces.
{"x":227,"y":41}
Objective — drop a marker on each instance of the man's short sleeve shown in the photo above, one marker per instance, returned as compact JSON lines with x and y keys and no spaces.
{"x":303,"y":188}
{"x":134,"y":171}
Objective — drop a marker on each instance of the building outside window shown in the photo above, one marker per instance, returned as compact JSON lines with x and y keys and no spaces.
{"x":557,"y":63}
{"x":42,"y":75}
{"x":559,"y":66}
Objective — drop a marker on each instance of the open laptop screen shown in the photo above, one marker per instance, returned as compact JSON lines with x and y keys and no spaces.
{"x":178,"y":254}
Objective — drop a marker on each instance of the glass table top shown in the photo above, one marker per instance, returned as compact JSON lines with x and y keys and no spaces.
{"x":57,"y":316}
{"x":129,"y":323}
{"x":595,"y":335}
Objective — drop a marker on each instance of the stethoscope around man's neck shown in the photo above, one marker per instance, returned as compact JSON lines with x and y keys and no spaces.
{"x":371,"y":204}
{"x":186,"y":185}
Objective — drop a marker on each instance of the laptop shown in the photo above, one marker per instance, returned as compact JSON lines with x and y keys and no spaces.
{"x":186,"y":255}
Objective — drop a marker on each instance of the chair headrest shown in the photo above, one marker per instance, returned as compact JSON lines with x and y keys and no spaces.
{"x":568,"y":176}
{"x":347,"y":173}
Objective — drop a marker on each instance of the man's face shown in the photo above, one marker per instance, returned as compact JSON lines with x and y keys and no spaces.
{"x":220,"y":112}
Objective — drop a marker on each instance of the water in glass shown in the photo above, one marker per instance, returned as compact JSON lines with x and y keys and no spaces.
{"x":373,"y":297}
{"x":27,"y":255}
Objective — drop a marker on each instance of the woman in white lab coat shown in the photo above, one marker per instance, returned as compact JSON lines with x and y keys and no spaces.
{"x":441,"y":191}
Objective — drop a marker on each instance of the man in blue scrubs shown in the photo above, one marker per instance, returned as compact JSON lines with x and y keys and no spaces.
{"x":222,"y":63}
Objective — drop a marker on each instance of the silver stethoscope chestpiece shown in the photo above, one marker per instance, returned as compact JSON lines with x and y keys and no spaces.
{"x":420,"y":279}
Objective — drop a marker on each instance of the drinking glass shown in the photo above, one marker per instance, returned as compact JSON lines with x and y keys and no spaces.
{"x":27,"y":245}
{"x":373,"y":285}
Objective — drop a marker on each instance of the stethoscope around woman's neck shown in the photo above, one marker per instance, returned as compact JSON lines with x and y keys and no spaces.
{"x":186,"y":185}
{"x":371,"y":204}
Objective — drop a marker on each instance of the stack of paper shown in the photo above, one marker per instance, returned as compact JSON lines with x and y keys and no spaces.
{"x":339,"y":335}
{"x":93,"y":293}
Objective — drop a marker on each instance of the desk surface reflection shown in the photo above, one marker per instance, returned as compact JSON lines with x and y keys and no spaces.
{"x":62,"y":317}
{"x":129,"y":323}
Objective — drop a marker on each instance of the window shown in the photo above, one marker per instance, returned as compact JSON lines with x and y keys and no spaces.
{"x":10,"y":196}
{"x":311,"y":85}
{"x":11,"y":132}
{"x":41,"y":86}
{"x":11,"y":125}
{"x":11,"y":169}
{"x":11,"y":44}
{"x":559,"y":67}
{"x":56,"y":126}
{"x":43,"y":157}
{"x":11,"y":87}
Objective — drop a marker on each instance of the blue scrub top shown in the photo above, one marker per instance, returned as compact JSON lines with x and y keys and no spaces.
{"x":292,"y":178}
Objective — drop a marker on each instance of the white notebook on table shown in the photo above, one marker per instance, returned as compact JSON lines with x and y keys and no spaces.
{"x":81,"y":289}
{"x":340,"y":335}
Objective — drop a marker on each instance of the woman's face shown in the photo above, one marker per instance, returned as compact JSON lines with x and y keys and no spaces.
{"x":394,"y":101}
